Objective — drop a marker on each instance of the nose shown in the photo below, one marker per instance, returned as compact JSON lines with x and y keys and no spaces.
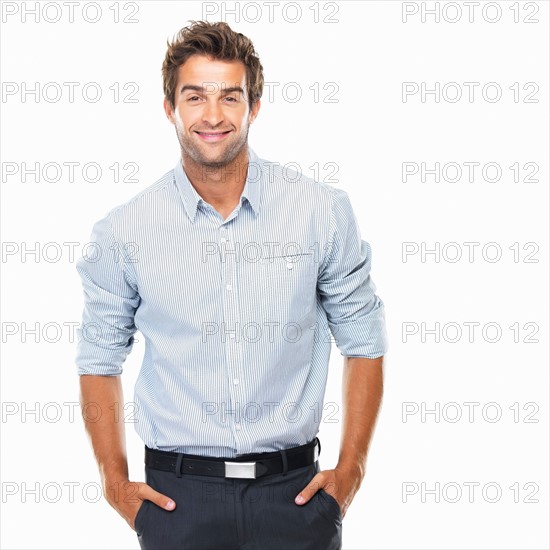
{"x":212,"y":112}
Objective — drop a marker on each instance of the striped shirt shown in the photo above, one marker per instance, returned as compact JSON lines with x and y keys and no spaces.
{"x":238,"y":315}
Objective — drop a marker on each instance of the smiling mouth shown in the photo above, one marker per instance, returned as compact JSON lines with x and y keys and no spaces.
{"x":212,"y":136}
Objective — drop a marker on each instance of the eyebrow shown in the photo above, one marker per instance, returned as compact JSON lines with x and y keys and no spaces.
{"x":196,"y":88}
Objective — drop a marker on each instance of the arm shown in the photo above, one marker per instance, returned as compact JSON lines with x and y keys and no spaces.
{"x":356,"y":319}
{"x":105,"y":338}
{"x":103,"y":394}
{"x":362,"y":388}
{"x":98,"y":397}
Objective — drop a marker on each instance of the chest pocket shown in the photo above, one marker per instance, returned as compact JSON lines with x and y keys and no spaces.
{"x":288,"y":286}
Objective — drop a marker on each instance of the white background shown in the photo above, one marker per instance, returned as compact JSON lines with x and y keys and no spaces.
{"x":368,"y":50}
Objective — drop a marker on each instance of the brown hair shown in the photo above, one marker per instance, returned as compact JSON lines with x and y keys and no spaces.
{"x":216,"y":40}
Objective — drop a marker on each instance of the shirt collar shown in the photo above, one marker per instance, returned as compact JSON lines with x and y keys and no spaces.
{"x":251,"y":190}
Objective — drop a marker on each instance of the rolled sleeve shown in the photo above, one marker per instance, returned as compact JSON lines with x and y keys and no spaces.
{"x":355,"y":314}
{"x":106,"y":333}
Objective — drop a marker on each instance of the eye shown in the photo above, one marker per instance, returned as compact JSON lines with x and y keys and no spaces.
{"x":232,"y":99}
{"x":193,"y":98}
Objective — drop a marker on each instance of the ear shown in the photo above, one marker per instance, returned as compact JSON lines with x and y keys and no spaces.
{"x":254,"y":111}
{"x":168,"y":110}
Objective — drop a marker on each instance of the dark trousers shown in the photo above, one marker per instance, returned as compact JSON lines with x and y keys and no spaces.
{"x":217,"y":513}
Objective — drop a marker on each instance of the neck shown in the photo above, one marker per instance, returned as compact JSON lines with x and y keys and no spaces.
{"x":219,"y":186}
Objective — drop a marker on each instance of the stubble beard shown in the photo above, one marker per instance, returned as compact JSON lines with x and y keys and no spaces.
{"x":227,"y":155}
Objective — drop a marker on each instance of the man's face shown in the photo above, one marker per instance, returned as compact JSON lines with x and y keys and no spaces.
{"x":211,"y":112}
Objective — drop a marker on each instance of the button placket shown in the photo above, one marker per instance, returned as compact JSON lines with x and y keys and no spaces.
{"x":231,"y":325}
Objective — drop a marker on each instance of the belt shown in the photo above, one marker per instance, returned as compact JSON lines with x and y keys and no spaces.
{"x":249,"y":466}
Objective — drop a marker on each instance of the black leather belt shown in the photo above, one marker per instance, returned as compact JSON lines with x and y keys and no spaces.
{"x":246,"y":466}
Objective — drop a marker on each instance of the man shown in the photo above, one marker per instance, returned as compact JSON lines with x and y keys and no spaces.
{"x":236,"y":272}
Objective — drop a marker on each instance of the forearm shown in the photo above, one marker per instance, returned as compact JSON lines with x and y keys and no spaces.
{"x":362,"y":389}
{"x":102,"y":402}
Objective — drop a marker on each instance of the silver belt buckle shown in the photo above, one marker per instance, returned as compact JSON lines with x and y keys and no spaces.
{"x":240,"y":469}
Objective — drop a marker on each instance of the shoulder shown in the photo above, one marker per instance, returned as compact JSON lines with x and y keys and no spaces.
{"x":291,"y":182}
{"x":143,"y":203}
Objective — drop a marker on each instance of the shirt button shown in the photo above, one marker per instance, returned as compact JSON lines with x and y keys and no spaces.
{"x":235,"y":381}
{"x":223,"y":240}
{"x":231,"y":335}
{"x":289,"y":265}
{"x":237,"y":426}
{"x":229,"y":287}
